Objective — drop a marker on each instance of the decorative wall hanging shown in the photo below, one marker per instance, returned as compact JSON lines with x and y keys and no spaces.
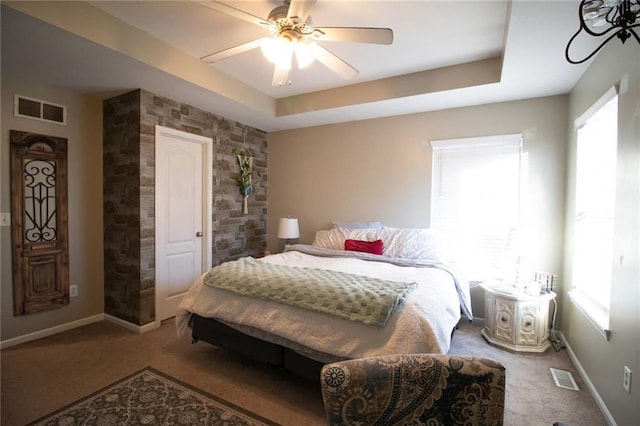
{"x":245,"y":178}
{"x":39,"y":227}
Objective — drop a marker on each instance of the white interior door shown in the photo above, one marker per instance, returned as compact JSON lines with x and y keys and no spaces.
{"x":182,"y":205}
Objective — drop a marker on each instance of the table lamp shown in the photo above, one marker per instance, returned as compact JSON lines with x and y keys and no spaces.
{"x":288,"y":229}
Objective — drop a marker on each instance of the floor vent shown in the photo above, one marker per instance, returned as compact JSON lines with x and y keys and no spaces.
{"x":39,"y":110}
{"x":564,"y":379}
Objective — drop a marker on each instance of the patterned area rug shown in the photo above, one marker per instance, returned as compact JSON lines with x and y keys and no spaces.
{"x":150,"y":397}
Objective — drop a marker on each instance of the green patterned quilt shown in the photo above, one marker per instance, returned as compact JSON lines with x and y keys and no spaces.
{"x":350,"y":296}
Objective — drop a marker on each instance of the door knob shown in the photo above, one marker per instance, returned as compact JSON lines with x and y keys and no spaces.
{"x":198,"y":234}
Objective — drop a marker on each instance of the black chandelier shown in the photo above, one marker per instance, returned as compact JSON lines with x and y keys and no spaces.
{"x":611,"y":18}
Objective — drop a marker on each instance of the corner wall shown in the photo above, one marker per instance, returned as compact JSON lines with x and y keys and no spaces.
{"x":129,"y":185}
{"x":122,"y":230}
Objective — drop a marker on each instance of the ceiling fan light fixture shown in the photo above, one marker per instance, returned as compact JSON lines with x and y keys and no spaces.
{"x":292,"y":32}
{"x":278,"y":51}
{"x":305,"y":52}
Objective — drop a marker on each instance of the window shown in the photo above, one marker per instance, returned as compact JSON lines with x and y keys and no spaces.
{"x":597,"y":137}
{"x":476,"y":202}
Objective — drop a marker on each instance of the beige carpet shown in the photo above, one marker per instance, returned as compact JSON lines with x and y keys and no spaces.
{"x":531,"y":397}
{"x":42,"y":376}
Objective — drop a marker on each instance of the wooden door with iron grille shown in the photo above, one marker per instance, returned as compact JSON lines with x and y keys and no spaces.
{"x":39,"y":227}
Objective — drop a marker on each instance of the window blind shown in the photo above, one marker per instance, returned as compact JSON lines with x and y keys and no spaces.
{"x":475,"y":202}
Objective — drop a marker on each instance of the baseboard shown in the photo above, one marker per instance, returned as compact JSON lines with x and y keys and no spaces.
{"x":50,"y":331}
{"x":131,"y":326}
{"x":585,"y":378}
{"x":478,"y":321}
{"x":75,"y":324}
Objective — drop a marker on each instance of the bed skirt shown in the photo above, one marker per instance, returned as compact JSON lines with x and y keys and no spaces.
{"x":216,"y":333}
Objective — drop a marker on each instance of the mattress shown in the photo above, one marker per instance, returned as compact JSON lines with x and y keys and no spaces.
{"x":423,"y":323}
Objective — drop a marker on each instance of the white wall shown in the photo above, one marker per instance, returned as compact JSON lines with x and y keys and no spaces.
{"x":84,"y":140}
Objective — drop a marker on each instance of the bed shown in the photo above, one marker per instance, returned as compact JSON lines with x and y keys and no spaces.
{"x":431,"y":298}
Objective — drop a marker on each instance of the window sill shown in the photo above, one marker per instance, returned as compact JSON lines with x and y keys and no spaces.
{"x":598,"y":317}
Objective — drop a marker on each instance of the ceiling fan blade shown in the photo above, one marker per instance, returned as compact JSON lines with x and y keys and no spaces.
{"x":224,"y":54}
{"x":280,"y":77}
{"x":232,"y":11}
{"x":300,"y":8}
{"x":334,"y":63}
{"x":357,"y":35}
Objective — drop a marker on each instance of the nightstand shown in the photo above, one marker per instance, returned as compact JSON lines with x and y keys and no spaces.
{"x":515,"y":320}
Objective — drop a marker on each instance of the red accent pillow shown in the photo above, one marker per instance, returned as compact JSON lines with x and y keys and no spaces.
{"x":374,"y":247}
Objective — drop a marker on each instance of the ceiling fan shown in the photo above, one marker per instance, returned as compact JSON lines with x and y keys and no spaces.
{"x":292,"y":33}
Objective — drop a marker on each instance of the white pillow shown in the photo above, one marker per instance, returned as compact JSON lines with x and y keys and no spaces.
{"x":406,"y":243}
{"x":334,"y":238}
{"x":412,"y":243}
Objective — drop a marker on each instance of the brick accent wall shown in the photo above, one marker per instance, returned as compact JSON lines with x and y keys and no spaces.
{"x":121,"y":193}
{"x":129,"y":187}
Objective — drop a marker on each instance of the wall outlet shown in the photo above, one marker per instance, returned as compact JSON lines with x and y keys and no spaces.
{"x":73,"y":290}
{"x":5,"y":219}
{"x":626,"y":379}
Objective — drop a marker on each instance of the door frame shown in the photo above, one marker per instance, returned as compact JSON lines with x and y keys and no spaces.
{"x":207,"y":197}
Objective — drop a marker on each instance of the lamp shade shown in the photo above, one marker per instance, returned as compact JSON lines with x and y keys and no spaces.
{"x":278,"y":51}
{"x":288,"y":228}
